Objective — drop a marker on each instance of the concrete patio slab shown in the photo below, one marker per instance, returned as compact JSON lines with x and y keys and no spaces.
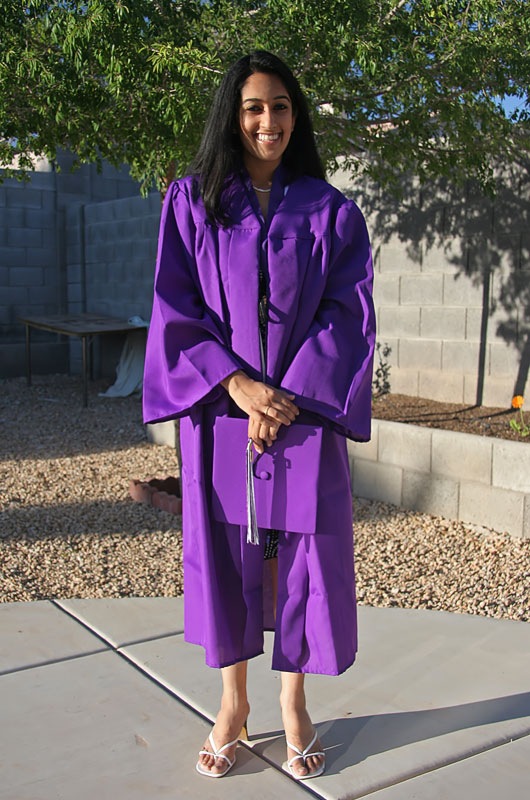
{"x":122,"y":621}
{"x":502,"y":772}
{"x":180,"y":667}
{"x":39,"y":633}
{"x":428,"y":689}
{"x":97,"y":727}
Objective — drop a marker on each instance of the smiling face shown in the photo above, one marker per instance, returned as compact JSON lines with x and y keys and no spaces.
{"x":266,"y":121}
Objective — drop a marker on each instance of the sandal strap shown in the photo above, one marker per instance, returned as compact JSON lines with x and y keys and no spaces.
{"x":304,"y":753}
{"x":219,"y":752}
{"x":293,"y":759}
{"x":217,"y":755}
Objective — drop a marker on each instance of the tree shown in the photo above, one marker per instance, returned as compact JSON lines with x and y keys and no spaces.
{"x":394,"y":86}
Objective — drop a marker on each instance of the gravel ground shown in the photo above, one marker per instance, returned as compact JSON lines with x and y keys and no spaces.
{"x":69,"y":529}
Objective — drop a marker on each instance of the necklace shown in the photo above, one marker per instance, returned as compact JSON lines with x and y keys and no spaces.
{"x":260,"y":190}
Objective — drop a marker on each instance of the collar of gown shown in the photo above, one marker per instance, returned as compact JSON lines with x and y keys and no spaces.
{"x":280,"y":182}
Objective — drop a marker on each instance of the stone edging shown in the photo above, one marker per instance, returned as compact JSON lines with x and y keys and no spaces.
{"x":461,"y":476}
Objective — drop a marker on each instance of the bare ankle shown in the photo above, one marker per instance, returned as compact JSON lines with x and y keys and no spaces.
{"x":235,"y":703}
{"x":293,"y":703}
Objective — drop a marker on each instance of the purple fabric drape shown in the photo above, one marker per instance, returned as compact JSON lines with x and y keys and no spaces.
{"x":320,"y":341}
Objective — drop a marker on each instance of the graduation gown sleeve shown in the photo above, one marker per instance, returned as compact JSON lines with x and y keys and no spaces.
{"x":331,"y":373}
{"x":186,"y":355}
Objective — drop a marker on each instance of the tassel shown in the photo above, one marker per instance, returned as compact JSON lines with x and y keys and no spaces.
{"x":252,"y":525}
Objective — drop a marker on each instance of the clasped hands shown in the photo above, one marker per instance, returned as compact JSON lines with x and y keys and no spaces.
{"x":267,"y":407}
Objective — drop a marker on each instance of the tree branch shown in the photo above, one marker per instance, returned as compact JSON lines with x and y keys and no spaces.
{"x":394,"y":10}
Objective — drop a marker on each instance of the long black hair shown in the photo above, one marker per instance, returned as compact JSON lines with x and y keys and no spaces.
{"x":221,"y":151}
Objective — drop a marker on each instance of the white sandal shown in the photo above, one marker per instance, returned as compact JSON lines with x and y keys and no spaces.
{"x":288,"y":765}
{"x":218,"y":754}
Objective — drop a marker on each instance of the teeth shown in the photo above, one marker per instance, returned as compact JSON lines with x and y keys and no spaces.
{"x":268,"y":137}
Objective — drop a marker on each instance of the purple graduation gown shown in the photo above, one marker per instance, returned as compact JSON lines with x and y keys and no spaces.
{"x":321,"y":330}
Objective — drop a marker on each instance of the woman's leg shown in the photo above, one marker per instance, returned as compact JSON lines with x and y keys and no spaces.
{"x":231,"y":717}
{"x":297,"y":723}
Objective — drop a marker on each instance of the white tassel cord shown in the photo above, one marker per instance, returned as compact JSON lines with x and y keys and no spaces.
{"x":252,"y":525}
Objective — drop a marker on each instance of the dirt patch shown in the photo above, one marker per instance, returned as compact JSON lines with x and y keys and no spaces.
{"x":481,"y":420}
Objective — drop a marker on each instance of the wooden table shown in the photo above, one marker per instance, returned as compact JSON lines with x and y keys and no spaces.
{"x":85,"y":326}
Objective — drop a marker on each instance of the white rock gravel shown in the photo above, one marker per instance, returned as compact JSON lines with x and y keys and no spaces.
{"x":69,"y":529}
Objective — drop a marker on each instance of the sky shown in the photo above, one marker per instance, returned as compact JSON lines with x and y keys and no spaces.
{"x":512,"y":103}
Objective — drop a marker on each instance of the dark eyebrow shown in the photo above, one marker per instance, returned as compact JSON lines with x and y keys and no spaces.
{"x":259,"y":100}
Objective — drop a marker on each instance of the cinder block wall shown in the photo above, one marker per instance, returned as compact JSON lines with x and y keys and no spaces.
{"x":30,"y":270}
{"x":452,"y":287}
{"x":121,"y":243}
{"x":111,"y":255}
{"x":33,"y":267}
{"x":459,"y":476}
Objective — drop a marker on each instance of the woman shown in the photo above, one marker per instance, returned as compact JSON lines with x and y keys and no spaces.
{"x":257,"y":225}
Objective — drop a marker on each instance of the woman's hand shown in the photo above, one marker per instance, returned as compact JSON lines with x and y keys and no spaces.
{"x":267,"y":407}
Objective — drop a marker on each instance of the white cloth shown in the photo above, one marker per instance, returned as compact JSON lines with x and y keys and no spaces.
{"x":130,"y":369}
